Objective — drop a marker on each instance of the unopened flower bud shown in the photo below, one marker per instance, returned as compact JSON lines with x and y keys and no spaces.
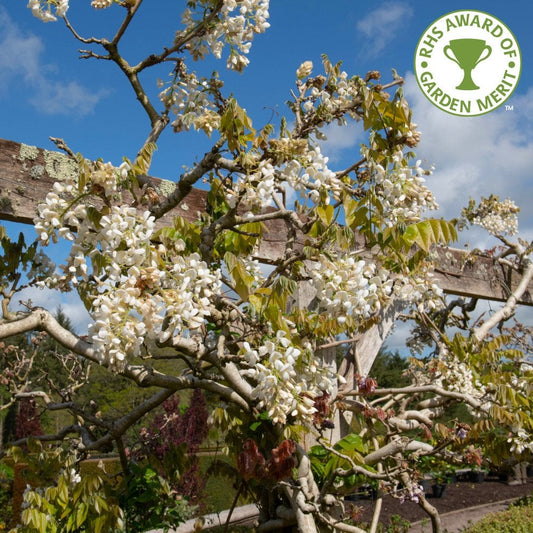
{"x":304,"y":70}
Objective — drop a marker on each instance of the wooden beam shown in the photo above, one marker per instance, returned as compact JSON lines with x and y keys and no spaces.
{"x":28,"y":173}
{"x":475,"y":274}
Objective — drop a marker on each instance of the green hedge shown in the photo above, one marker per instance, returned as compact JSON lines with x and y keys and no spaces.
{"x":517,"y":519}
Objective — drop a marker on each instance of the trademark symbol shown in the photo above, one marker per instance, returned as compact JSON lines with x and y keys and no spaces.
{"x":509,"y":107}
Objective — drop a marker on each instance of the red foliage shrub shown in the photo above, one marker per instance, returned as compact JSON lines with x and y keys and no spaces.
{"x":172,"y":429}
{"x":251,"y":462}
{"x":28,"y":422}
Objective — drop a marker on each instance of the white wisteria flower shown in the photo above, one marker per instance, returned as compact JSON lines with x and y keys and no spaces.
{"x":350,"y":287}
{"x":42,"y":9}
{"x":236,"y":25}
{"x":286,"y":378}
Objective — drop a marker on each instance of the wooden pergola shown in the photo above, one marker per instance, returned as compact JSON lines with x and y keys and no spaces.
{"x":28,"y":173}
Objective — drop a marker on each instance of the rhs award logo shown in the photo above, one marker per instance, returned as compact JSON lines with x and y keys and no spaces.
{"x":467,"y":63}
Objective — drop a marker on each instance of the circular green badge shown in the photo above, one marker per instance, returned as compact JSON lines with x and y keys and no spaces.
{"x":467,"y":63}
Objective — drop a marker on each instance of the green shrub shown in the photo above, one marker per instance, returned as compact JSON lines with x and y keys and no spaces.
{"x":517,"y":519}
{"x":524,"y":501}
{"x":6,"y":495}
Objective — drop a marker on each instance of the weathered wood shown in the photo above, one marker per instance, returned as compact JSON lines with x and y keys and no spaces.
{"x":28,"y":173}
{"x":476,"y":274}
{"x":243,"y":516}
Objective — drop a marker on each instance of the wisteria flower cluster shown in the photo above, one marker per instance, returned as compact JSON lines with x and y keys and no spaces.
{"x":178,"y":300}
{"x":448,"y":372}
{"x":420,"y":290}
{"x":311,"y":177}
{"x":520,"y":441}
{"x":188,"y":98}
{"x":144,"y":290}
{"x":401,"y":188}
{"x":42,"y":9}
{"x":102,"y":4}
{"x":340,"y":95}
{"x":307,"y":174}
{"x":255,"y":190}
{"x":287,"y":378}
{"x":236,"y":26}
{"x":411,"y":494}
{"x":495,"y":216}
{"x":350,"y":287}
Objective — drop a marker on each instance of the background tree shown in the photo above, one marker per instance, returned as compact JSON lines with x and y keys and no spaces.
{"x":389,"y":369}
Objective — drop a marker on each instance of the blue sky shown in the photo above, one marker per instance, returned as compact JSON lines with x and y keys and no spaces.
{"x":45,"y":90}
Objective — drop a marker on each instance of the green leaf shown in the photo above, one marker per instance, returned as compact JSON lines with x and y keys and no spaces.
{"x":242,"y":280}
{"x":233,"y":125}
{"x":429,"y":232}
{"x":255,"y":425}
{"x":331,"y":466}
{"x":350,"y":205}
{"x":352,"y":442}
{"x":325,"y":213}
{"x":81,"y":515}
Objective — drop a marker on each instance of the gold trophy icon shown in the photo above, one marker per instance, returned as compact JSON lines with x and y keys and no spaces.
{"x":467,"y":53}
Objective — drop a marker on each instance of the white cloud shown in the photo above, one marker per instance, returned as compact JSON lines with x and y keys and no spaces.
{"x":378,"y":27}
{"x":341,"y":138}
{"x":20,"y":54}
{"x":51,"y":300}
{"x":54,"y":97}
{"x":397,"y":337}
{"x":22,"y":58}
{"x":477,"y":156}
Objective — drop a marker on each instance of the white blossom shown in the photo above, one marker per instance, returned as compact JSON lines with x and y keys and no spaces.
{"x":143,"y":290}
{"x":495,"y":216}
{"x":42,"y":9}
{"x":520,"y":441}
{"x":304,"y":70}
{"x":350,"y":287}
{"x":287,"y":379}
{"x":401,"y":190}
{"x":101,"y":4}
{"x":236,"y":25}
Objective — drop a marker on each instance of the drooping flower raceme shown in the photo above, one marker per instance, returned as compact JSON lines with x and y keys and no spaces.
{"x":255,"y":190}
{"x":42,"y":9}
{"x":152,"y":303}
{"x":350,"y":287}
{"x":134,"y":288}
{"x":420,"y":290}
{"x":311,"y":177}
{"x":449,"y":373}
{"x":236,"y":25}
{"x":520,"y":441}
{"x":495,"y":216}
{"x":306,"y":173}
{"x":188,"y":98}
{"x":287,"y":378}
{"x":401,"y":190}
{"x":102,"y":4}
